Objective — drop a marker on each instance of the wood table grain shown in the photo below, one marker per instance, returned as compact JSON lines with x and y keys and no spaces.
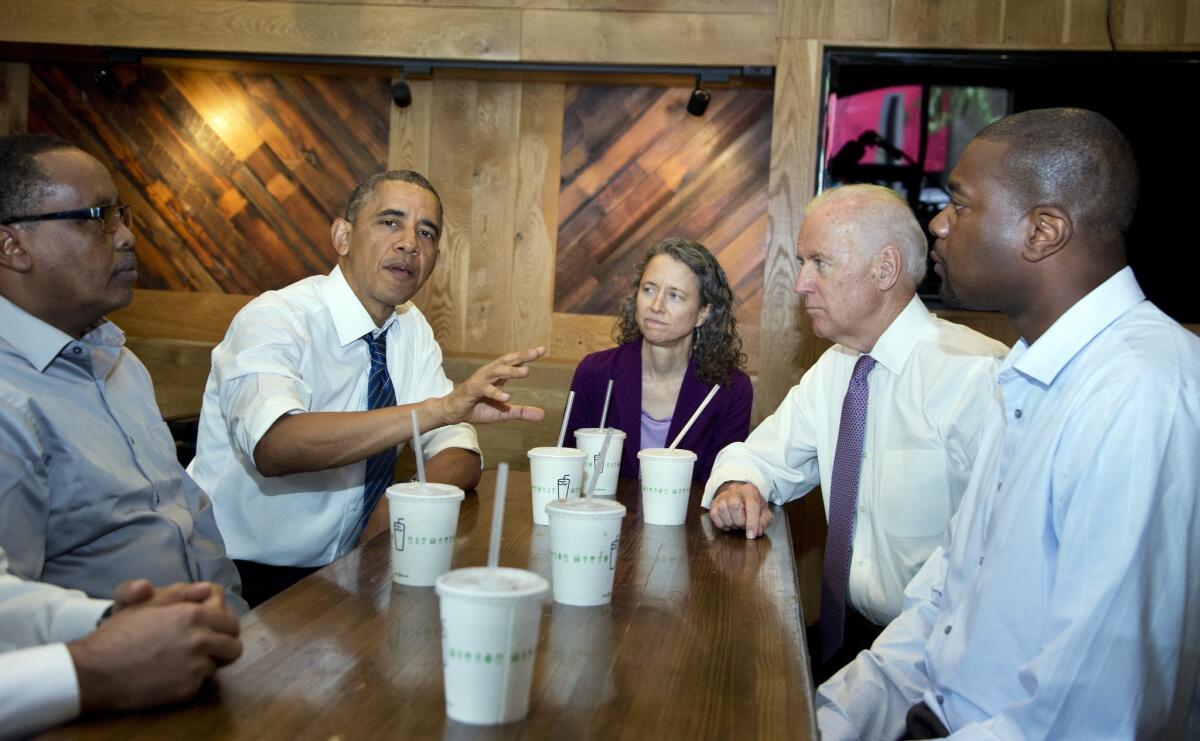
{"x":703,"y":639}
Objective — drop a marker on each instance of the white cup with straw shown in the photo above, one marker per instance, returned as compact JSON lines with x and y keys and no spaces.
{"x":490,"y":620}
{"x":555,"y":473}
{"x":666,"y":475}
{"x":423,"y":524}
{"x":585,"y":536}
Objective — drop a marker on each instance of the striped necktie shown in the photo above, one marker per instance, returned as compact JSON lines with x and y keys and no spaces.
{"x":843,"y":498}
{"x":381,"y":467}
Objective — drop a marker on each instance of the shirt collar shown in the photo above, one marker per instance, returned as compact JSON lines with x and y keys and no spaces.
{"x":350,"y":318}
{"x":33,"y":339}
{"x":39,"y":343}
{"x":1044,"y":359}
{"x":896,"y":344}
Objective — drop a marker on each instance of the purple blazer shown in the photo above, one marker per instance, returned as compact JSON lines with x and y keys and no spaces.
{"x":725,"y":420}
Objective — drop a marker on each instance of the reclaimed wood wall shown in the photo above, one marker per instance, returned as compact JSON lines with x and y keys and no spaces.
{"x":636,"y":168}
{"x":234,"y":178}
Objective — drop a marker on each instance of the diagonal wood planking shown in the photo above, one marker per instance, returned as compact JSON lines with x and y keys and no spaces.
{"x":234,"y":178}
{"x":637,"y":168}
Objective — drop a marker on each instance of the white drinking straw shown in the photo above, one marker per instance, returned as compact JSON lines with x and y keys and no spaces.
{"x":604,"y":411}
{"x":562,"y":431}
{"x":416,"y":440}
{"x":591,"y":487}
{"x":695,"y":416}
{"x":497,"y":516}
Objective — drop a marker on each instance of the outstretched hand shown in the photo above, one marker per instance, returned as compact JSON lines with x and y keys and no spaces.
{"x":481,"y":399}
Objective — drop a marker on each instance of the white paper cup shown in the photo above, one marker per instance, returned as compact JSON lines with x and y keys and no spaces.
{"x":584,"y":540}
{"x":590,"y":440}
{"x":424,"y":521}
{"x":666,"y":484}
{"x":554,"y":473}
{"x":490,"y":624}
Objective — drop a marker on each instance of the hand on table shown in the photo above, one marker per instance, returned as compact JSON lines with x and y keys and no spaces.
{"x":157,"y":648}
{"x":739,"y":505}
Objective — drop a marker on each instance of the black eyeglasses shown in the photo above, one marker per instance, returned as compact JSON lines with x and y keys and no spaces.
{"x":110,"y":217}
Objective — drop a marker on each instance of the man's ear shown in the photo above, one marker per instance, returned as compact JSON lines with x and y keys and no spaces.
{"x":339,"y":234}
{"x":1049,"y":230}
{"x":887,"y":266}
{"x":13,"y":255}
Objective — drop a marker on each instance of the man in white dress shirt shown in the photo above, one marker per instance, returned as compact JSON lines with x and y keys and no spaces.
{"x":861,"y":255}
{"x":289,"y":433}
{"x":1064,"y":601}
{"x":63,"y":653}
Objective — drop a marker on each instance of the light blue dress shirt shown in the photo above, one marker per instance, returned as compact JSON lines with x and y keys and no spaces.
{"x":1065,"y":603}
{"x":91,"y":490}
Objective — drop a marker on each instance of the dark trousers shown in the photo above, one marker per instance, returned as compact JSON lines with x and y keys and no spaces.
{"x":859,"y":635}
{"x":261,"y":581}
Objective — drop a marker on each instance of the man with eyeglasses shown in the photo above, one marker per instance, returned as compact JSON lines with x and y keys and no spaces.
{"x":91,"y":493}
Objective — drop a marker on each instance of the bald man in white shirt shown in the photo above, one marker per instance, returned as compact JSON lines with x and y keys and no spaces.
{"x":862,"y":254}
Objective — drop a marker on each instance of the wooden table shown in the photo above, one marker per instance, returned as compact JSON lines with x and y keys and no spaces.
{"x":703,"y":639}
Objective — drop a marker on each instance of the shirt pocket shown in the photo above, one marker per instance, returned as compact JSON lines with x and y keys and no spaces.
{"x":915,"y":498}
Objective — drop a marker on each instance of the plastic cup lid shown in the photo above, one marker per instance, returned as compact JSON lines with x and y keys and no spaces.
{"x":556,"y":453}
{"x":666,"y":454}
{"x":583,"y":508}
{"x":600,"y":431}
{"x":411,"y":491}
{"x":498,"y":584}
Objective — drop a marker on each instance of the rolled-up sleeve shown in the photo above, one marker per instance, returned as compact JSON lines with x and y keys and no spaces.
{"x":779,"y":456}
{"x":257,"y":370}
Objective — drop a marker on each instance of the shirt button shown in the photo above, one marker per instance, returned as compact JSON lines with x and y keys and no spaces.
{"x":157,"y":499}
{"x":981,"y":560}
{"x":862,"y":508}
{"x":76,"y":350}
{"x":941,"y":700}
{"x":131,"y":439}
{"x":947,"y":630}
{"x":1017,"y":414}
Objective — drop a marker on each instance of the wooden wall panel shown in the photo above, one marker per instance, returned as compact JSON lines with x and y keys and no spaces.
{"x":763,"y":7}
{"x":977,"y":23}
{"x":408,"y":131}
{"x":267,"y":27}
{"x":1074,"y":23}
{"x":234,"y":178}
{"x":488,"y":303}
{"x":451,"y":162}
{"x":786,"y":341}
{"x":14,"y":97}
{"x":844,"y":20}
{"x":638,"y":168}
{"x":536,"y":215}
{"x":647,"y":38}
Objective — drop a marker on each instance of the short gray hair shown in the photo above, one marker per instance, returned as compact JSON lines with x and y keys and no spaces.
{"x":879,"y":216}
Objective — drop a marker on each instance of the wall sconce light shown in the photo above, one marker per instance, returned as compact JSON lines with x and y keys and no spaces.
{"x":698,"y":103}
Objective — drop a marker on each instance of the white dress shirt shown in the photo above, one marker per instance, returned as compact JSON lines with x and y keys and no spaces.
{"x":1066,"y":602}
{"x":38,"y":687}
{"x":929,"y":389}
{"x":300,"y":349}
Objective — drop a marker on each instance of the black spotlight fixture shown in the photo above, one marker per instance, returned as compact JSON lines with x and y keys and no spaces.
{"x":698,"y":103}
{"x":401,"y":92}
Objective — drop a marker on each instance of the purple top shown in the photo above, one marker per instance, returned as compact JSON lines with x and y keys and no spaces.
{"x":725,"y":420}
{"x":654,"y":431}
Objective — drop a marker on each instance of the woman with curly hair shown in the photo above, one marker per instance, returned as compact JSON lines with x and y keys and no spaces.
{"x":676,"y":338}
